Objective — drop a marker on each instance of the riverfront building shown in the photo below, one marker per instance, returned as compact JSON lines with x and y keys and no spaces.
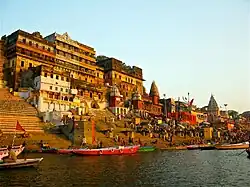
{"x":127,"y":79}
{"x":24,"y":50}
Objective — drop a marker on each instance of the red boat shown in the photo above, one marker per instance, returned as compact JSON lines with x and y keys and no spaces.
{"x":65,"y":151}
{"x":121,"y":150}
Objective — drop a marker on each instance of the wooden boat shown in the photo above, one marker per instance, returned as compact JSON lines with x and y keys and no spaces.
{"x":65,"y":151}
{"x":21,"y":163}
{"x":5,"y":152}
{"x":192,"y":147}
{"x":147,"y":149}
{"x":49,"y":150}
{"x":121,"y":150}
{"x":207,"y":147}
{"x":244,"y":145}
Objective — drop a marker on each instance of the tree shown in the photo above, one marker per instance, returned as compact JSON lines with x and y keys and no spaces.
{"x":101,"y":57}
{"x":233,"y":114}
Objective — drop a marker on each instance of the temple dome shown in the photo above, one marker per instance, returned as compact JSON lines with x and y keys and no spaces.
{"x":212,"y":105}
{"x":154,"y":90}
{"x":115,"y":91}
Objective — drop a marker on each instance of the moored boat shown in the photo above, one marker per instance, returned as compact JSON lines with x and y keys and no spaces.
{"x":192,"y":147}
{"x":207,"y":147}
{"x":5,"y":152}
{"x":19,"y":163}
{"x":121,"y":150}
{"x":49,"y":150}
{"x":147,"y":149}
{"x":65,"y":151}
{"x":244,"y":145}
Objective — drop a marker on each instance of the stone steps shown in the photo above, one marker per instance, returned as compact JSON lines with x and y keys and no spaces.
{"x":20,"y":118}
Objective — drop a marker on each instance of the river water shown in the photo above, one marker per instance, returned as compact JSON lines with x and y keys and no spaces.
{"x":162,"y":168}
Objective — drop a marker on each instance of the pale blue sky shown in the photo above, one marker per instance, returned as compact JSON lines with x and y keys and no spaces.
{"x":196,"y":46}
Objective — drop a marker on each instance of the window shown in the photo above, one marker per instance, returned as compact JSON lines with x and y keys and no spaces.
{"x":66,"y":90}
{"x":97,"y":74}
{"x":56,"y":88}
{"x":57,"y":77}
{"x":120,"y":77}
{"x":24,"y":40}
{"x":99,"y":96}
{"x":30,"y":65}
{"x":30,"y":43}
{"x":45,"y":74}
{"x":37,"y":45}
{"x":90,"y":95}
{"x":62,"y":78}
{"x":43,"y":47}
{"x":67,"y":79}
{"x":51,"y":76}
{"x":50,"y":87}
{"x":22,"y":63}
{"x":49,"y":49}
{"x":61,"y":89}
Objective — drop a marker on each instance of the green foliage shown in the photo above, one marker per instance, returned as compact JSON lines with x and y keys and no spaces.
{"x":233,"y":114}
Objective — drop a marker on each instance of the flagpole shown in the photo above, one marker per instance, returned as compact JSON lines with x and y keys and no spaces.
{"x":13,"y":139}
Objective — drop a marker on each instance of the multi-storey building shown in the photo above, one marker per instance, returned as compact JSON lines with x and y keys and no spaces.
{"x":24,"y":50}
{"x":66,"y":71}
{"x":79,"y":60}
{"x":127,"y":79}
{"x":2,"y":60}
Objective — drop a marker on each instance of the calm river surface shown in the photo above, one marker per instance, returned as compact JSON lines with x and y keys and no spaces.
{"x":175,"y":168}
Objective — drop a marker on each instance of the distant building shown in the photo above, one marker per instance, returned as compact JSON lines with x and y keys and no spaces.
{"x":148,"y":104}
{"x":213,"y":111}
{"x":127,"y":79}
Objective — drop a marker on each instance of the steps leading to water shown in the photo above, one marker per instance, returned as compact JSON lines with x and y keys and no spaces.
{"x":13,"y":109}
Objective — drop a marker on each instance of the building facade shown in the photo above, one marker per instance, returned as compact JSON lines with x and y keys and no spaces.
{"x":148,"y":105}
{"x":2,"y":60}
{"x":24,"y":50}
{"x":127,"y":79}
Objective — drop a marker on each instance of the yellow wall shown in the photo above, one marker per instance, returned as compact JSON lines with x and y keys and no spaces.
{"x":200,"y":117}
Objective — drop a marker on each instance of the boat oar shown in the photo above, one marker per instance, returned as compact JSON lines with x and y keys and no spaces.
{"x":241,"y":152}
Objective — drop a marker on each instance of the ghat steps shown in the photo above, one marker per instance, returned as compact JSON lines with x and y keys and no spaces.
{"x":13,"y":108}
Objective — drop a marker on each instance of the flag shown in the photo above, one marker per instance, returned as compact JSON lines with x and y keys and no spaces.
{"x":191,"y":102}
{"x":19,"y":127}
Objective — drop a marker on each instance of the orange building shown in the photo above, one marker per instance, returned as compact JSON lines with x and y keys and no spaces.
{"x":24,"y":50}
{"x":127,"y":79}
{"x":148,"y":104}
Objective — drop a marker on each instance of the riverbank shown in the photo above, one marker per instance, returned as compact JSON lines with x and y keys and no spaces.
{"x":60,"y":142}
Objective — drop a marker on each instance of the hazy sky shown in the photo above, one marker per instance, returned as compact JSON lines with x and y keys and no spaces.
{"x":196,"y":46}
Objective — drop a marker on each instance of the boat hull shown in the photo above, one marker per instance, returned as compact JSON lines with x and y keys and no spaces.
{"x":20,"y":163}
{"x":232,"y":146}
{"x":52,"y":150}
{"x":107,"y":151}
{"x":4,"y":151}
{"x":192,"y":147}
{"x":65,"y":151}
{"x":207,"y":147}
{"x":147,"y":149}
